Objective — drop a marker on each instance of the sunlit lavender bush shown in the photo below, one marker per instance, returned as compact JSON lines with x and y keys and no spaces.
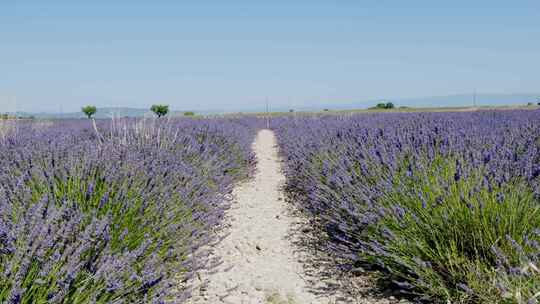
{"x":113,"y":214}
{"x":445,"y":204}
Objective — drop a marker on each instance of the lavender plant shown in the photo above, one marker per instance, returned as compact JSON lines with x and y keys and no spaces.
{"x":446,"y":204}
{"x":117,"y":219}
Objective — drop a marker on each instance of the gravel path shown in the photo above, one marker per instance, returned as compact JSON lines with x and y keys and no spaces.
{"x":259,"y":265}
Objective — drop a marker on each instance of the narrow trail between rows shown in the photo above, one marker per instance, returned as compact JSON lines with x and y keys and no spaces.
{"x":259,"y":263}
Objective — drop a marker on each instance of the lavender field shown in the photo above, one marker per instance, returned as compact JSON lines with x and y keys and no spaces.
{"x":444,"y":205}
{"x":441,"y":207}
{"x":113,"y":214}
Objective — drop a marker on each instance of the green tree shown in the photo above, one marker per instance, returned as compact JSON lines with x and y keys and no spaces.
{"x":159,"y":109}
{"x":89,"y":111}
{"x":189,"y":113}
{"x":389,"y":105}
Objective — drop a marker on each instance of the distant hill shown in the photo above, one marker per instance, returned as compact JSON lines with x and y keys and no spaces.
{"x":101,"y":113}
{"x":459,"y":100}
{"x":467,"y":100}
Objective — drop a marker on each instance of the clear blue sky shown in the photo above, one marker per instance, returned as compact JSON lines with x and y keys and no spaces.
{"x":232,"y":54}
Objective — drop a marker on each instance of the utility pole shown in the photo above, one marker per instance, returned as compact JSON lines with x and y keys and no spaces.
{"x":267,"y":115}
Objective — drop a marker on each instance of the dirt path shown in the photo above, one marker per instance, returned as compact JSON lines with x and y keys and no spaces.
{"x":259,"y":265}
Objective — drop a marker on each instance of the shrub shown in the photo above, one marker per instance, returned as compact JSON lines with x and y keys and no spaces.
{"x":189,"y":113}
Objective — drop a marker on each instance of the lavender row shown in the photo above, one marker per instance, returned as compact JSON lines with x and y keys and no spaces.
{"x":445,"y":204}
{"x":116,"y":212}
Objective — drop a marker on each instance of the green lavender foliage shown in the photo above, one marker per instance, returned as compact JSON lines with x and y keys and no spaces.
{"x":446,"y":236}
{"x":115,"y":220}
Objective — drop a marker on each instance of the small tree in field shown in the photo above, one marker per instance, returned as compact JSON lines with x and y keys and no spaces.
{"x":384,"y":105}
{"x":89,"y":111}
{"x":160,"y":110}
{"x":381,"y":105}
{"x":189,"y":113}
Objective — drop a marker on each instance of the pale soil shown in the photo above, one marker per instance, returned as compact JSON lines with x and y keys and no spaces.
{"x":260,"y":263}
